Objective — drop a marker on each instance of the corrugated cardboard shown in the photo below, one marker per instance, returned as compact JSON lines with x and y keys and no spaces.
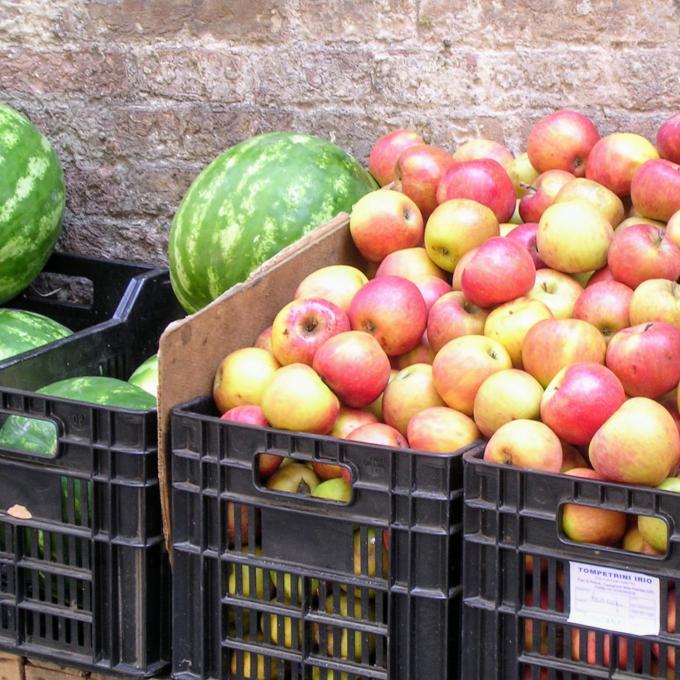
{"x":191,"y":349}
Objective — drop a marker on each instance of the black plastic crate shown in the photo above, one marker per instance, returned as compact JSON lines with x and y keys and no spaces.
{"x":394,"y":615}
{"x":85,"y":580}
{"x":517,"y":599}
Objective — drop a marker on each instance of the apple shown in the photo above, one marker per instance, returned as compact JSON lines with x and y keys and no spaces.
{"x":601,"y":198}
{"x":673,"y":228}
{"x":335,"y":489}
{"x":555,"y":343}
{"x":671,"y":609}
{"x":668,"y":139}
{"x":349,"y":419}
{"x":409,"y":263}
{"x":605,"y":305}
{"x":293,"y":478}
{"x":526,"y":235}
{"x":384,"y":221}
{"x":655,"y":189}
{"x":646,"y":358}
{"x":633,"y":542}
{"x":579,"y":399}
{"x":484,"y":181}
{"x":522,"y":173}
{"x":630,"y":221}
{"x":557,"y":291}
{"x":639,"y":444}
{"x":516,"y":217}
{"x":501,"y":270}
{"x":476,"y":149}
{"x":337,"y":638}
{"x":462,"y":365}
{"x":527,"y":444}
{"x":452,"y":316}
{"x":422,"y":353}
{"x":642,"y":252}
{"x":432,"y":288}
{"x":289,"y":637}
{"x":439,"y":429}
{"x":585,"y":645}
{"x":337,"y":283}
{"x":562,"y":140}
{"x":504,"y":396}
{"x":419,"y":170}
{"x":541,"y":194}
{"x":656,"y":300}
{"x":391,"y":309}
{"x":457,"y":279}
{"x":510,"y":322}
{"x":654,"y":530}
{"x":615,"y":158}
{"x":256,"y":666}
{"x":670,"y":402}
{"x":302,"y":326}
{"x":264,"y":339}
{"x":382,"y":161}
{"x":541,"y":644}
{"x":238,"y":526}
{"x":375,"y":407}
{"x":573,"y":237}
{"x":456,"y":227}
{"x":242,"y":377}
{"x":505,"y":228}
{"x":411,"y":391}
{"x":242,"y":586}
{"x":602,"y":274}
{"x":297,"y":399}
{"x":337,"y":361}
{"x":572,"y":458}
{"x":378,"y":433}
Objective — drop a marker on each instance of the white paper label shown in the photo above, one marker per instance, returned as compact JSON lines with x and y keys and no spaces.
{"x":620,"y":601}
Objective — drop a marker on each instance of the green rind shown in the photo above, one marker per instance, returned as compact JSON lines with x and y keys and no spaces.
{"x":32,"y":200}
{"x":250,"y":202}
{"x":145,"y":376}
{"x":21,"y":331}
{"x":39,"y":437}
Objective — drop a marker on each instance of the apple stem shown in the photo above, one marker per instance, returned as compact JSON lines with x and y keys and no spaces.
{"x":303,"y":488}
{"x":526,"y":186}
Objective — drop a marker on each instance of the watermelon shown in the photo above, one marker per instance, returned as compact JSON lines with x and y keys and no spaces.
{"x":22,"y":331}
{"x":146,"y":375}
{"x":31,"y":201}
{"x":256,"y":198}
{"x":39,"y":437}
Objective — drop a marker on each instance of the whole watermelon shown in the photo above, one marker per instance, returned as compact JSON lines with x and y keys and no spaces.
{"x":250,"y":202}
{"x":145,"y":375}
{"x":21,"y":331}
{"x":31,"y":201}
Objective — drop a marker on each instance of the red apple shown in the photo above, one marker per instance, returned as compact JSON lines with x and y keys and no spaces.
{"x":541,"y":194}
{"x":422,"y":353}
{"x":337,"y":283}
{"x":606,"y":306}
{"x":616,"y":157}
{"x":590,"y":645}
{"x":462,"y":365}
{"x":601,"y":198}
{"x":501,"y":270}
{"x":432,"y":288}
{"x":670,"y":402}
{"x":639,"y":444}
{"x":392,"y":309}
{"x":562,"y":141}
{"x":646,"y":358}
{"x":439,"y":429}
{"x":456,"y":281}
{"x":382,"y":161}
{"x":237,"y":529}
{"x":526,"y":444}
{"x":384,"y":221}
{"x":484,"y":181}
{"x":579,"y":399}
{"x":557,"y":291}
{"x":656,"y":300}
{"x":350,"y":419}
{"x":476,"y":149}
{"x":655,"y":189}
{"x":336,"y":361}
{"x":541,"y":628}
{"x":642,"y":252}
{"x":602,"y":274}
{"x":452,"y":316}
{"x":419,"y":170}
{"x":302,"y":326}
{"x":526,"y":235}
{"x":555,"y":343}
{"x":264,"y":339}
{"x":668,"y":139}
{"x":671,"y":620}
{"x":378,"y":433}
{"x":673,"y":228}
{"x":409,"y":263}
{"x":456,"y":227}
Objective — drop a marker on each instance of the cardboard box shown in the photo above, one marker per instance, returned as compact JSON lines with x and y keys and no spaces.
{"x":191,"y":349}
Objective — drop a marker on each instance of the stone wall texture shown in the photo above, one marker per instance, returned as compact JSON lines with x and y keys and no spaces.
{"x":139,"y":95}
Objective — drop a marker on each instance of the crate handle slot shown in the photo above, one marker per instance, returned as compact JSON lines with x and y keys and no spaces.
{"x":30,"y":435}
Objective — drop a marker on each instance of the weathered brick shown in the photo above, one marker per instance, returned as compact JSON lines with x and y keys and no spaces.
{"x":33,"y":23}
{"x":89,"y":72}
{"x":359,"y":22}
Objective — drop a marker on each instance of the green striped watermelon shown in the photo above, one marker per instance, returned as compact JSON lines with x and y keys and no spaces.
{"x":146,"y":375}
{"x":39,"y":437}
{"x":250,"y":202}
{"x":31,"y":201}
{"x":22,"y":331}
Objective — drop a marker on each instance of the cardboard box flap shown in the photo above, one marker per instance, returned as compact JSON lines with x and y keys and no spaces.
{"x":192,"y":348}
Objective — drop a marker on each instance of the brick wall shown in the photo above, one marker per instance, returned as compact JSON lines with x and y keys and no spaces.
{"x":138,"y":95}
